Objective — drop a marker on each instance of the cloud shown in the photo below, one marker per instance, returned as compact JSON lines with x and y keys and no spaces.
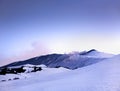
{"x":38,"y":49}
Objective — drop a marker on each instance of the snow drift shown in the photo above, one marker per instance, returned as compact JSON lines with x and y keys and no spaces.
{"x":102,"y":76}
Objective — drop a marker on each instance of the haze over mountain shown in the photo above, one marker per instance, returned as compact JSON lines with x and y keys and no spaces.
{"x":37,"y":36}
{"x":101,"y":76}
{"x":30,"y":28}
{"x":71,"y":61}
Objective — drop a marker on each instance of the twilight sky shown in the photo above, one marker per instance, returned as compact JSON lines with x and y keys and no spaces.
{"x":30,"y":28}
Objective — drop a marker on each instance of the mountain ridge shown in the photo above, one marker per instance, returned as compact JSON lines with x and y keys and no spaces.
{"x":71,"y":61}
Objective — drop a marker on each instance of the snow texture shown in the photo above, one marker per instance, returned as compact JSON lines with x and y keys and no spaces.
{"x":102,"y":76}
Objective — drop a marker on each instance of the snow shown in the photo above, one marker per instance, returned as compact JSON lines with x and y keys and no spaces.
{"x":102,"y":76}
{"x":81,"y":59}
{"x":97,"y":54}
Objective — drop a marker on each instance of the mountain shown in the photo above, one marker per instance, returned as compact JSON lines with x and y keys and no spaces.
{"x":97,"y":54}
{"x":71,"y":61}
{"x":102,"y":76}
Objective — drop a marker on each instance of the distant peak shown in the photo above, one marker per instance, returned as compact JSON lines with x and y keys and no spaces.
{"x":92,"y":50}
{"x":87,"y":52}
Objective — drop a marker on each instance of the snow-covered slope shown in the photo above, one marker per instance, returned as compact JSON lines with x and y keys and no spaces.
{"x":102,"y":76}
{"x":97,"y":54}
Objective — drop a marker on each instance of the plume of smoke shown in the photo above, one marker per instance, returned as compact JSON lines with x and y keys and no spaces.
{"x":37,"y":50}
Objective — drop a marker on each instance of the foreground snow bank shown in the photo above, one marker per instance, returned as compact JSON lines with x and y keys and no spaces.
{"x":102,"y":76}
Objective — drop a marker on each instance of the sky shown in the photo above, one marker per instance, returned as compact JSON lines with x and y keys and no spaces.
{"x":30,"y":28}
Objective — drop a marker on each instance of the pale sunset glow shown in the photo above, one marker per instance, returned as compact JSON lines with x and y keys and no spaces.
{"x":30,"y":28}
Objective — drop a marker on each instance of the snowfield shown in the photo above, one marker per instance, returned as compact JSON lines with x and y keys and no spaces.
{"x":101,"y":76}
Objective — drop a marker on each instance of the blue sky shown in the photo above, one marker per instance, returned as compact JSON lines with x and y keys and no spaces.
{"x":35,"y":27}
